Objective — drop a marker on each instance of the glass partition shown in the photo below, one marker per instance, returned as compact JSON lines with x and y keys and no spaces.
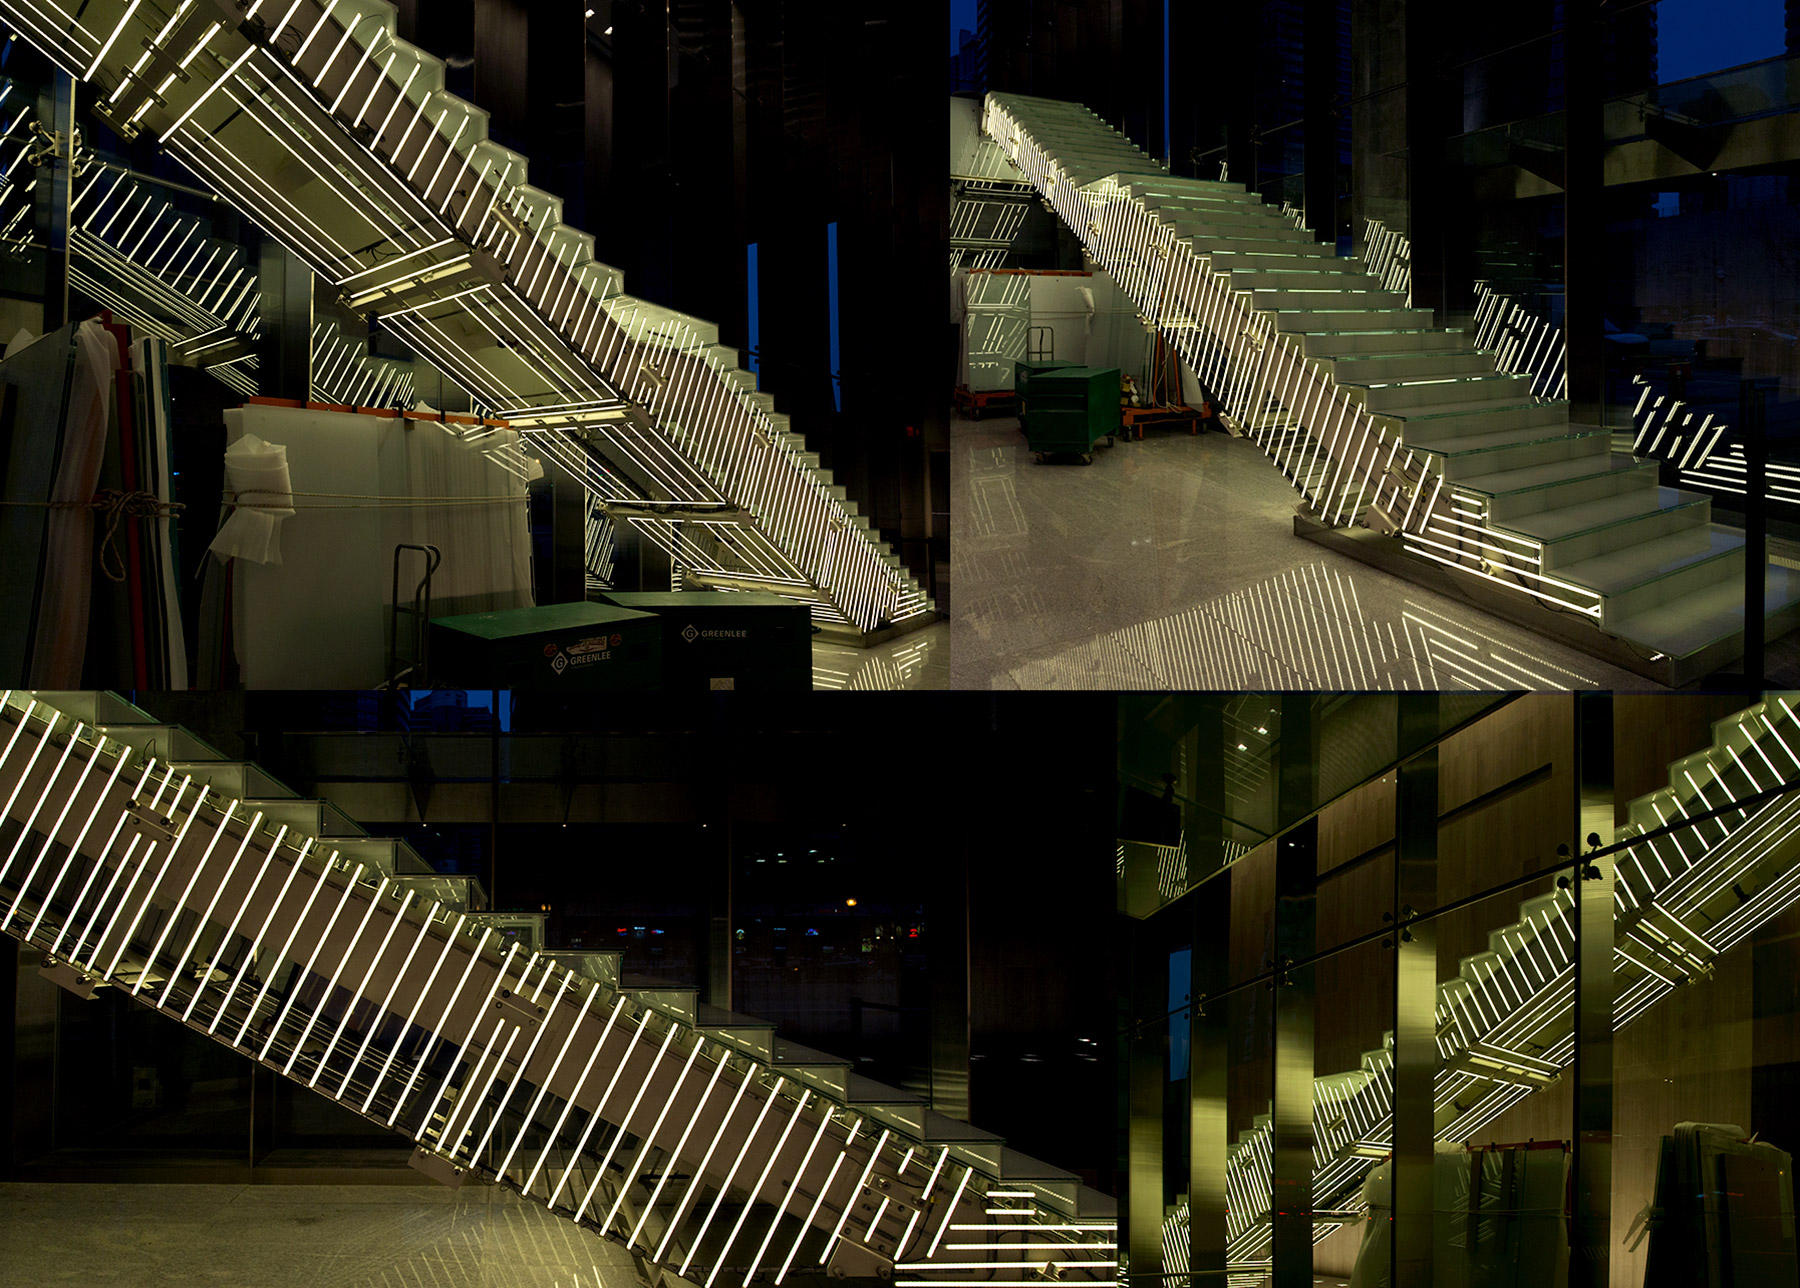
{"x":1547,"y":1019}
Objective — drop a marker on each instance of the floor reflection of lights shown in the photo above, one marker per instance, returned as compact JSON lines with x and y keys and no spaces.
{"x":917,"y":660}
{"x":1305,"y":628}
{"x":383,"y":1235}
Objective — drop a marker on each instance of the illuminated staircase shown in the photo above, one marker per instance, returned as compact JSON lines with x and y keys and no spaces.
{"x":339,"y":138}
{"x":1383,"y":420}
{"x":1505,"y":1020}
{"x":713,"y":1149}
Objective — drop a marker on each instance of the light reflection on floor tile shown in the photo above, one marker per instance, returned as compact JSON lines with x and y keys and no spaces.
{"x":307,"y":1236}
{"x":1172,"y":563}
{"x":917,"y":660}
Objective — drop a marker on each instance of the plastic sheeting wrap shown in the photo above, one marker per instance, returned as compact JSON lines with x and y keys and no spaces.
{"x":1084,"y":320}
{"x":1498,"y":1221}
{"x":319,"y":618}
{"x":257,"y":474}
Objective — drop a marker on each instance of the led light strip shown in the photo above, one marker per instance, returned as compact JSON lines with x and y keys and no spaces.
{"x":164,"y":869}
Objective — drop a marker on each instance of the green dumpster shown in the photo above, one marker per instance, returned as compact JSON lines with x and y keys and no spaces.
{"x":1024,"y":372}
{"x":1071,"y":409}
{"x":717,"y":639}
{"x":554,"y":646}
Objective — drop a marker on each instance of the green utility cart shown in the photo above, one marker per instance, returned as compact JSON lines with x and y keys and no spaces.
{"x":554,"y":646}
{"x":722,"y":639}
{"x":1071,"y":409}
{"x":1025,"y":370}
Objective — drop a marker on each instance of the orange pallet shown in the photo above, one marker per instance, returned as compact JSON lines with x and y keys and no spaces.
{"x":974,"y":402}
{"x":1135,"y":419}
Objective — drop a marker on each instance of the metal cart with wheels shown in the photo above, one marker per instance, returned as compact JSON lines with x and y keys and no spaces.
{"x":1070,"y":409}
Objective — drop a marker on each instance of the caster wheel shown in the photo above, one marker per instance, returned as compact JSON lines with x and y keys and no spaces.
{"x":1087,"y":458}
{"x":1039,"y":456}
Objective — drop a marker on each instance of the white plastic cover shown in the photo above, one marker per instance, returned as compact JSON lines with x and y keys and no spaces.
{"x":257,"y":474}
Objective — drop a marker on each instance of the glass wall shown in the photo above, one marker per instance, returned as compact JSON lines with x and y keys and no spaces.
{"x":1521,"y":1001}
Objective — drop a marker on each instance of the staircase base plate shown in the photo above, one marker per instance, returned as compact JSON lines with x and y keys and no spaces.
{"x":1387,"y":554}
{"x":845,"y":634}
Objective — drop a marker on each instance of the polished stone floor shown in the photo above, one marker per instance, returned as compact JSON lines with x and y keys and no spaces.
{"x":296,"y":1236}
{"x":917,"y":660}
{"x":1172,"y":563}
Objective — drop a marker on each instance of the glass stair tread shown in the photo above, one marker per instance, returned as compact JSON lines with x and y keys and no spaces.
{"x":1648,"y":561}
{"x":1711,"y":615}
{"x":1591,"y":516}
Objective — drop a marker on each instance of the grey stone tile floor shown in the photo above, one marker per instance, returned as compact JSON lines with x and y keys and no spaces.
{"x":1172,"y":563}
{"x":296,"y":1236}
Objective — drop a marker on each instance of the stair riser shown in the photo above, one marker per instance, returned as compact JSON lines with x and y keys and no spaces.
{"x":1428,"y":430}
{"x":1665,"y":590}
{"x":1500,"y":389}
{"x":1159,"y":200}
{"x":1325,"y":346}
{"x":1518,"y":457}
{"x":1258,"y":258}
{"x":1630,"y":532}
{"x":1223,"y":215}
{"x":1314,"y":300}
{"x":1597,"y":487}
{"x":1309,"y":279}
{"x":1358,"y":372}
{"x":1353,"y":320}
{"x":1217,"y":230}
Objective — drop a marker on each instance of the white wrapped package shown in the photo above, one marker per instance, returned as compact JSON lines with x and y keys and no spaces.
{"x":257,"y":473}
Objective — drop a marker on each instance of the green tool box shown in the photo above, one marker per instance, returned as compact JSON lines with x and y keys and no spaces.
{"x":720,"y":639}
{"x":1024,"y":372}
{"x":1071,"y":409}
{"x":555,"y":646}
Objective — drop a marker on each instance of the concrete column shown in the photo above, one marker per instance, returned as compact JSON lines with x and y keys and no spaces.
{"x":1208,"y":1024}
{"x":1319,"y":59}
{"x":56,"y":110}
{"x":1147,"y":1063}
{"x":1584,"y":211}
{"x":284,"y":347}
{"x":1591,"y":1220}
{"x":1296,"y":916}
{"x":1428,"y":124}
{"x":1415,"y":993}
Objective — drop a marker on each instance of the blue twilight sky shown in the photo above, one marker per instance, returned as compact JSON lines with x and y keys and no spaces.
{"x":1698,"y":36}
{"x":1693,"y":36}
{"x":962,"y":18}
